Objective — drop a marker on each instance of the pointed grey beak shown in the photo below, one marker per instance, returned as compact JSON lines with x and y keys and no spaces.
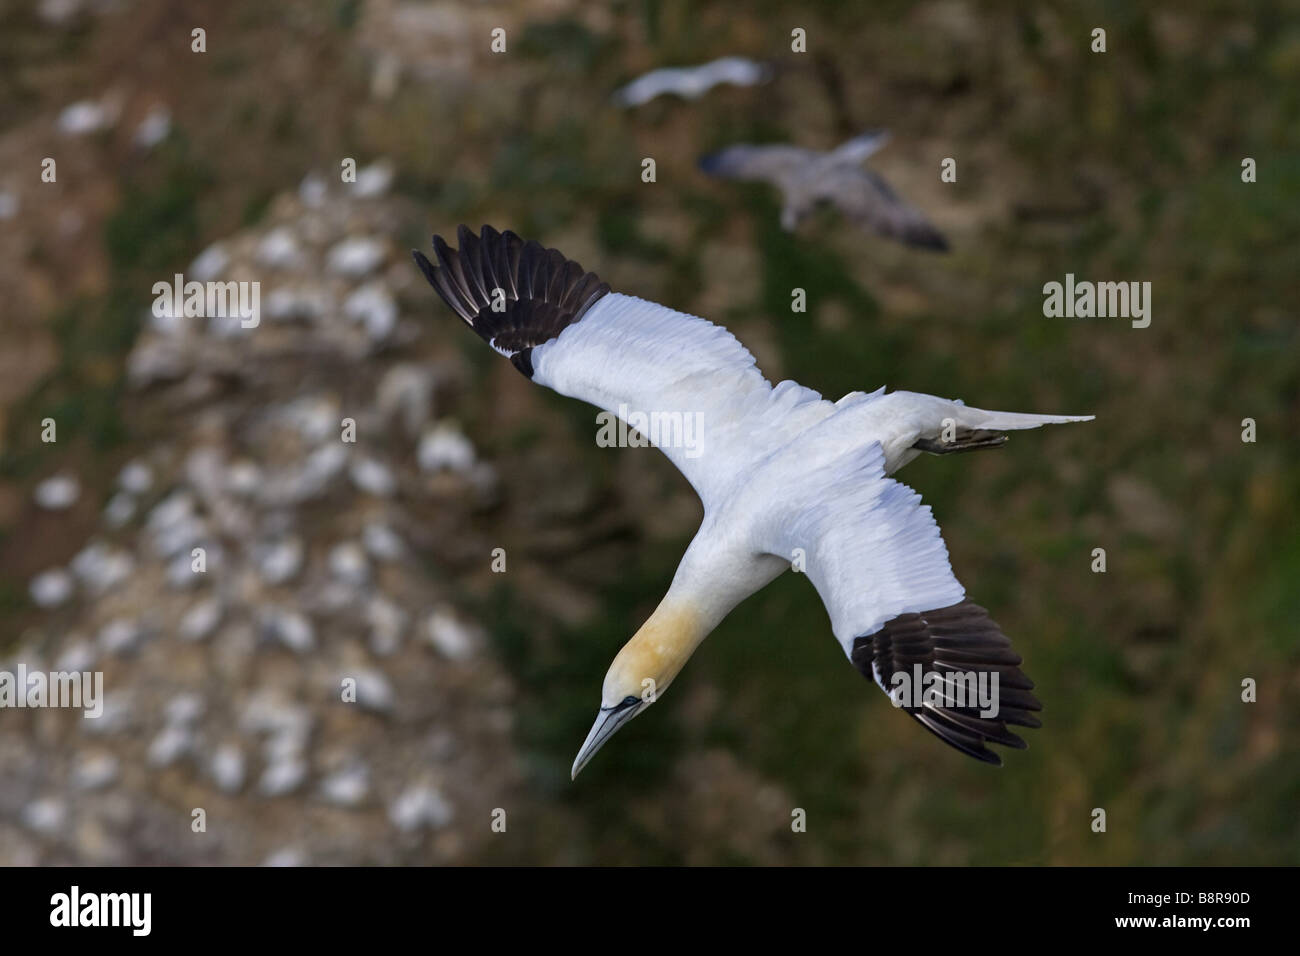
{"x":608,"y":721}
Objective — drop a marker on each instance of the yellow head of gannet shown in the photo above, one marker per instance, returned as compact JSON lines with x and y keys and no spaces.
{"x":641,"y":671}
{"x":787,"y":479}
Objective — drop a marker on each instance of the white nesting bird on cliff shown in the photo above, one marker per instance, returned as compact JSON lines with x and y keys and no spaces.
{"x":786,"y":477}
{"x":692,"y":82}
{"x":808,"y":178}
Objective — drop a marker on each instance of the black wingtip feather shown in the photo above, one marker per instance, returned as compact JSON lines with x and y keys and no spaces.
{"x":932,"y":240}
{"x":958,"y":639}
{"x":543,"y":291}
{"x":425,"y":265}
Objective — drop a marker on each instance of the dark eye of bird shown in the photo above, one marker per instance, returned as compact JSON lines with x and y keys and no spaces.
{"x":629,"y":700}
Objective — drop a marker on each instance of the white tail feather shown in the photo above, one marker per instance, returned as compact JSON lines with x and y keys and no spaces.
{"x":904,"y":418}
{"x":1010,"y":421}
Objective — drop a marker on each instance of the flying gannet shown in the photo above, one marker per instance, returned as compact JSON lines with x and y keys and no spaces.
{"x":786,"y":478}
{"x":807,"y":178}
{"x":692,"y":82}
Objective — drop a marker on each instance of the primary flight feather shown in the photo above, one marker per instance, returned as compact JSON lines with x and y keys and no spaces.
{"x":786,"y":477}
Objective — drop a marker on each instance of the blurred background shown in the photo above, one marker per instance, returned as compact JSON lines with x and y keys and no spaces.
{"x":373,"y":559}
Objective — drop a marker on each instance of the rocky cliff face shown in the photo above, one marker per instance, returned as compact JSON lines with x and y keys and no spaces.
{"x":258,"y":595}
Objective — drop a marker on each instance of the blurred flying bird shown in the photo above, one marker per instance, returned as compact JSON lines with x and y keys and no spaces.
{"x":807,"y":177}
{"x":692,"y":82}
{"x":787,"y":478}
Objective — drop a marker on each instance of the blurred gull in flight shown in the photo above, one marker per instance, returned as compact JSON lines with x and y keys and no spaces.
{"x":787,"y":478}
{"x":692,"y":82}
{"x":807,"y":178}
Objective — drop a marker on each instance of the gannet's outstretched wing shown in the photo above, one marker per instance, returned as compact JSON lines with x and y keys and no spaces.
{"x":870,"y":202}
{"x":782,"y":166}
{"x":692,"y":82}
{"x":876,"y":557}
{"x":707,"y":405}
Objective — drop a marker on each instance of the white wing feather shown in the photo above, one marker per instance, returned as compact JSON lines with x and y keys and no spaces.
{"x":869,"y":546}
{"x":629,"y":356}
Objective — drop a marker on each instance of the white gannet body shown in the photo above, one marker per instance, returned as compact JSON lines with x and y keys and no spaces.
{"x":808,"y":178}
{"x":787,"y":478}
{"x":692,"y":82}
